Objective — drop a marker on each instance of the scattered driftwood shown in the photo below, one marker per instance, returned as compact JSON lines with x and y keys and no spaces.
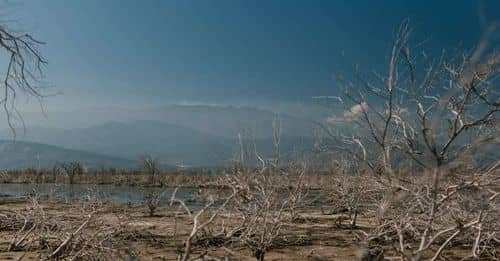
{"x":70,"y":237}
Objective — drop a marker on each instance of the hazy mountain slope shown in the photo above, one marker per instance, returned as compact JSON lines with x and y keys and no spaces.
{"x":172,"y":144}
{"x":20,"y":154}
{"x":221,"y":121}
{"x":228,"y":121}
{"x":195,"y":135}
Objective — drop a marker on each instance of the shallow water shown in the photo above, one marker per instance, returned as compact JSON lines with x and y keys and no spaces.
{"x":83,"y":192}
{"x":193,"y":197}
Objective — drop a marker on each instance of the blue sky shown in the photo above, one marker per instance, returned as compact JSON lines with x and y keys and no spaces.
{"x":141,"y":53}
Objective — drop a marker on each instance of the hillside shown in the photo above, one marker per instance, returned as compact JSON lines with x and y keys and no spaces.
{"x":20,"y":154}
{"x":193,"y":135}
{"x":228,"y":121}
{"x":171,"y":144}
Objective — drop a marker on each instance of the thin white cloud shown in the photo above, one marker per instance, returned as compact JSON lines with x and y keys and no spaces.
{"x":349,"y":115}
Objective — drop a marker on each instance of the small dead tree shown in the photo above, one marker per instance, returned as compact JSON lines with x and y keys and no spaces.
{"x":350,"y":196}
{"x":199,"y":225}
{"x":262,"y":207}
{"x":277,"y":132}
{"x":72,"y":169}
{"x":151,"y":167}
{"x":297,"y":190}
{"x":152,"y":200}
{"x":264,"y":197}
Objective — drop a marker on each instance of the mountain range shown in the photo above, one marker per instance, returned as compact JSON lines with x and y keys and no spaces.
{"x":21,"y":155}
{"x":187,"y":136}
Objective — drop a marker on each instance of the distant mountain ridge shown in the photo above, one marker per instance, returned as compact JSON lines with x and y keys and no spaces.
{"x":21,"y":155}
{"x":171,"y":144}
{"x":222,"y":121}
{"x":186,"y":136}
{"x":228,"y":121}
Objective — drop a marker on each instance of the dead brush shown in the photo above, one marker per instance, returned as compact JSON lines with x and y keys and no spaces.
{"x":81,"y":237}
{"x":428,"y":119}
{"x":262,"y":206}
{"x":152,"y":200}
{"x":350,"y":196}
{"x":466,"y":216}
{"x":36,"y":230}
{"x":202,"y":219}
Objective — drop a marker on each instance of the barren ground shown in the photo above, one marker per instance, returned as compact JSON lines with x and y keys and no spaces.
{"x":130,"y":232}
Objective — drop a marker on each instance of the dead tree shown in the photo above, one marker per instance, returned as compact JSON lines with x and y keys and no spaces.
{"x":72,"y":170}
{"x":199,"y":225}
{"x":151,"y":167}
{"x":297,"y":190}
{"x":277,"y":132}
{"x":24,"y":70}
{"x":433,"y":117}
{"x":262,"y":205}
{"x":152,"y":200}
{"x":264,"y":198}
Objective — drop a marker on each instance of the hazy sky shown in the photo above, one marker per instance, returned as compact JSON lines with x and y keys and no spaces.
{"x":139,"y":53}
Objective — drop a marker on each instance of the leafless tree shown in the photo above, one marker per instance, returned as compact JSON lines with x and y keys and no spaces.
{"x":152,"y":200}
{"x":263,"y":204}
{"x":349,"y":196}
{"x":433,"y":117}
{"x":263,"y":218}
{"x":72,"y":169}
{"x":277,"y":133}
{"x":265,"y":198}
{"x":297,"y":190}
{"x":151,"y":167}
{"x":24,"y":69}
{"x":200,"y":222}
